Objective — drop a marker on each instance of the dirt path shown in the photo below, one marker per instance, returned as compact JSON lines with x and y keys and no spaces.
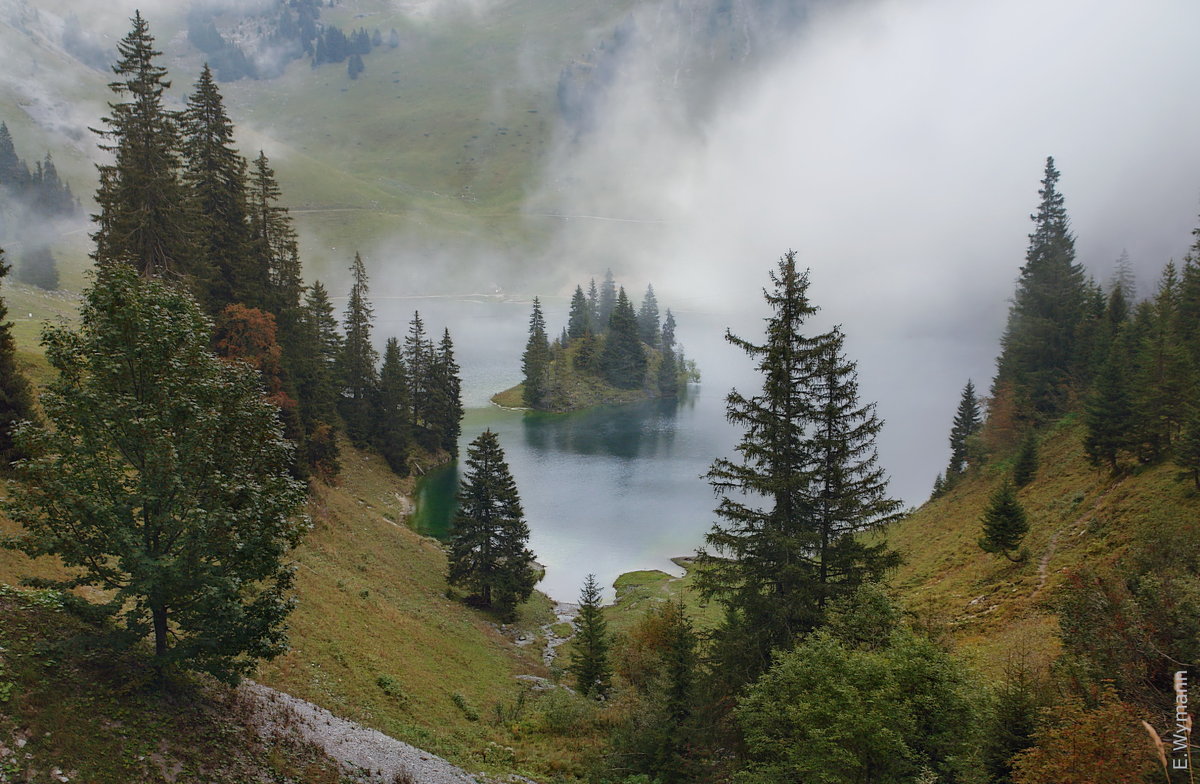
{"x":367,"y":755}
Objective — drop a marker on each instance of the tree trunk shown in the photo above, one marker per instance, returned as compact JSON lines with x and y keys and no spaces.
{"x":159,"y":613}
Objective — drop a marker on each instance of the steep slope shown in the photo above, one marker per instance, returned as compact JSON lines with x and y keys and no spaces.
{"x":1078,"y":515}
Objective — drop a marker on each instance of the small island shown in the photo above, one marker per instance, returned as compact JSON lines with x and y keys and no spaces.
{"x":607,"y":353}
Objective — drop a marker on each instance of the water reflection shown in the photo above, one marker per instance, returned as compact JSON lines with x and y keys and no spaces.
{"x":635,"y":430}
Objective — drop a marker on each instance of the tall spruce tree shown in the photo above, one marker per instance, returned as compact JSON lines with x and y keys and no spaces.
{"x":1163,"y":378}
{"x":275,"y":253}
{"x":488,"y":552}
{"x":535,"y":362}
{"x":16,"y":398}
{"x":579,"y":321}
{"x":1004,"y":523}
{"x":215,"y":175}
{"x":14,"y":174}
{"x":593,"y":298}
{"x":1038,"y":345}
{"x":359,"y":378}
{"x":589,"y":656}
{"x":807,"y":452}
{"x":647,"y":318}
{"x":1025,"y":469}
{"x":418,"y":358}
{"x":607,"y":300}
{"x":668,"y":368}
{"x":1187,"y":451}
{"x":143,"y":219}
{"x":391,"y":414}
{"x":623,"y":360}
{"x":1109,"y":411}
{"x":967,"y":421}
{"x":445,"y":397}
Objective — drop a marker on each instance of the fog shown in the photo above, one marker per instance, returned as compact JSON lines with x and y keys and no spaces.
{"x":897,"y":146}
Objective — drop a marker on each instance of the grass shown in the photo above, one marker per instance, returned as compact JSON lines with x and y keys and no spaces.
{"x":91,"y":715}
{"x":1079,"y":515}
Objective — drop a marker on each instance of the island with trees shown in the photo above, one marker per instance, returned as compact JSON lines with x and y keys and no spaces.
{"x":607,"y":353}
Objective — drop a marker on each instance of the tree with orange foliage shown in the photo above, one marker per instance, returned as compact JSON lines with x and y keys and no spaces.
{"x":249,"y":334}
{"x":1105,"y":744}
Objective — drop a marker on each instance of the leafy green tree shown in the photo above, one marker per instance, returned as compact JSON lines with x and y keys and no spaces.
{"x":589,"y":657}
{"x":1004,"y":523}
{"x":215,"y":175}
{"x":16,"y":398}
{"x":162,"y":478}
{"x":831,"y":712}
{"x":535,"y":362}
{"x":579,"y":320}
{"x":967,"y":422}
{"x":391,"y":416}
{"x":647,"y":318}
{"x":1011,"y":720}
{"x":359,"y":378}
{"x":488,"y":552}
{"x":143,"y":219}
{"x":623,"y":360}
{"x":1038,"y":346}
{"x":808,"y":457}
{"x":1025,"y":469}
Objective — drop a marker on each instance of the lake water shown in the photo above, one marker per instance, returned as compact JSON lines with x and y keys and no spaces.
{"x":620,"y":488}
{"x":605,"y":491}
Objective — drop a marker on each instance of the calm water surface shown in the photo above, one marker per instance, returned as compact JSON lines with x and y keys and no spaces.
{"x":605,"y":491}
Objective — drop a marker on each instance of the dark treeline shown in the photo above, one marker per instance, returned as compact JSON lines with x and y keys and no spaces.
{"x":33,"y":199}
{"x":607,"y":340}
{"x":270,"y":39}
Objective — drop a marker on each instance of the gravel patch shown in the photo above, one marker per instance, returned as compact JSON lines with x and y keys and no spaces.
{"x":367,"y":755}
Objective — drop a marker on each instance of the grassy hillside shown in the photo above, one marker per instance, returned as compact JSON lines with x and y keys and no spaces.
{"x":1078,"y":515}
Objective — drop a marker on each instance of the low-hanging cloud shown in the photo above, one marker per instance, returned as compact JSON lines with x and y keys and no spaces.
{"x":897,"y":146}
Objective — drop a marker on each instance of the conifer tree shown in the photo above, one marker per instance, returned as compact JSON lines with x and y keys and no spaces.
{"x":488,"y":552}
{"x":16,"y":398}
{"x":14,"y":174}
{"x":589,"y":656}
{"x":967,"y":421}
{"x":275,"y":251}
{"x":216,"y":178}
{"x":579,"y":321}
{"x":1109,"y":412}
{"x":623,"y":360}
{"x":535,"y":362}
{"x":607,"y":300}
{"x":1163,"y":379}
{"x":39,"y":268}
{"x":446,"y":408}
{"x":1004,"y":523}
{"x":1187,"y":451}
{"x":359,"y":379}
{"x":939,"y":487}
{"x":320,"y":346}
{"x":807,"y":452}
{"x":143,"y":219}
{"x":418,"y":358}
{"x":593,"y":298}
{"x":647,"y":318}
{"x":1039,"y":341}
{"x":1025,"y":469}
{"x":668,"y":369}
{"x":391,"y":416}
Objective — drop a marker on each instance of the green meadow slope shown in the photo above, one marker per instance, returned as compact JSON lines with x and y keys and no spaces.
{"x":1079,"y":516}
